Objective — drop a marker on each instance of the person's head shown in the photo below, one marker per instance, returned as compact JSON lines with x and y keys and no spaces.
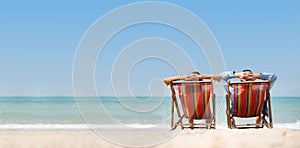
{"x":193,"y":76}
{"x":247,"y":75}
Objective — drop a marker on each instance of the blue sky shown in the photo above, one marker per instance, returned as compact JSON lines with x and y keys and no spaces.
{"x":38,"y":42}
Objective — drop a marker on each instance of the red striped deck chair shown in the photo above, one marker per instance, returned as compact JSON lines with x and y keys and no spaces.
{"x":248,"y":99}
{"x":195,"y":99}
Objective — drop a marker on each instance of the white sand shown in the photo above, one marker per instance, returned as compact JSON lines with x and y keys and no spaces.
{"x":231,"y":138}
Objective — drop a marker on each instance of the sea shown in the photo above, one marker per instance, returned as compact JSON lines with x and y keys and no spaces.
{"x":81,"y":113}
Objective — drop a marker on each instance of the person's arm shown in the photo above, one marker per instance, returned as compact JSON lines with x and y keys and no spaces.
{"x":243,"y":75}
{"x":267,"y":76}
{"x":216,"y":77}
{"x":229,"y":75}
{"x":225,"y":76}
{"x":175,"y":78}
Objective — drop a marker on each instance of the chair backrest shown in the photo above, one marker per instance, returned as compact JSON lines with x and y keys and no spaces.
{"x":195,"y":98}
{"x":248,"y":97}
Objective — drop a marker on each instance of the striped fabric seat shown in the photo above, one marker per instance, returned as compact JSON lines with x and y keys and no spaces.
{"x":195,"y":99}
{"x":248,"y":99}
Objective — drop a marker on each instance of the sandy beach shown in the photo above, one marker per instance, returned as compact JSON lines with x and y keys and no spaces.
{"x":225,"y":138}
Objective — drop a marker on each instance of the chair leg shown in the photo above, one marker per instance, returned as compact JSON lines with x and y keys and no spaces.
{"x":270,"y":111}
{"x":229,"y":123}
{"x":259,"y":123}
{"x":180,"y":122}
{"x":228,"y":111}
{"x":267,"y":124}
{"x":271,"y":125}
{"x":208,"y":123}
{"x":232,"y":123}
{"x":214,"y":122}
{"x":174,"y":127}
{"x":191,"y":122}
{"x":208,"y":126}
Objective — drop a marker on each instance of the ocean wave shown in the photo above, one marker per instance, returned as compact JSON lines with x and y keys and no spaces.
{"x":293,"y":126}
{"x":14,"y":126}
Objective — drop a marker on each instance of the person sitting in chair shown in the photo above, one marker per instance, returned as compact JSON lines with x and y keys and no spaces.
{"x":247,"y":75}
{"x":193,"y":76}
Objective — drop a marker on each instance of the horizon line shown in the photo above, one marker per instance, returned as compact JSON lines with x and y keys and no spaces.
{"x":114,"y":96}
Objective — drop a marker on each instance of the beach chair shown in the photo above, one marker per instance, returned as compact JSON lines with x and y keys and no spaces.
{"x":195,"y":99}
{"x":249,"y":99}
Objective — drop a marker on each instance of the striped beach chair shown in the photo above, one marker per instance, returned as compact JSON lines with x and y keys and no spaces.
{"x":196,"y":103}
{"x":248,"y":99}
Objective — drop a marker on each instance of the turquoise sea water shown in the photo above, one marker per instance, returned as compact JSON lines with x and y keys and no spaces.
{"x":64,"y":112}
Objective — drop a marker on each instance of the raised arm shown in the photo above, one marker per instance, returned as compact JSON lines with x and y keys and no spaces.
{"x":217,"y":77}
{"x":268,"y":76}
{"x":249,"y":76}
{"x":174,"y":78}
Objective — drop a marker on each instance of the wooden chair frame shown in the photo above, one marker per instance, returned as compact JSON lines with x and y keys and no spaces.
{"x":212,"y":124}
{"x":267,"y":104}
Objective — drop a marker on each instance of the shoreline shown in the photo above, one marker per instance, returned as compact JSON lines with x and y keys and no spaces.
{"x":228,"y":138}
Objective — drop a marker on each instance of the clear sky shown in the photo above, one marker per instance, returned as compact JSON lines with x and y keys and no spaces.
{"x":38,"y":41}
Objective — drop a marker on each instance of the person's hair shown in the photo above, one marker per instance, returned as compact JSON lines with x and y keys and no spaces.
{"x":245,"y":70}
{"x":195,"y":72}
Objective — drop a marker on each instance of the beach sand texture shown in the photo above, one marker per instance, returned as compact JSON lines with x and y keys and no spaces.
{"x":225,"y":138}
